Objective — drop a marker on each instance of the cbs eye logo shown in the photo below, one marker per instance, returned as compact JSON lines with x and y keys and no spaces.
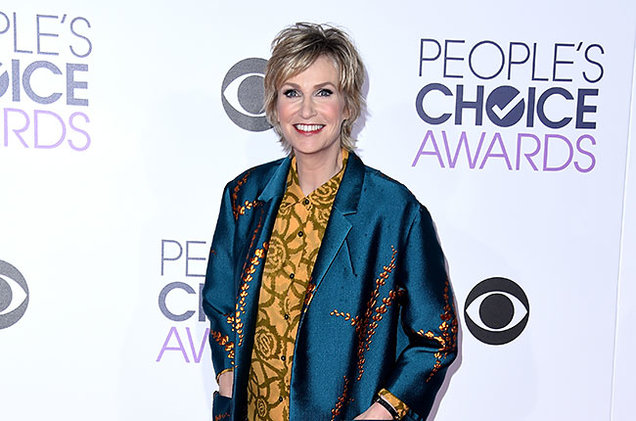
{"x":496,"y":311}
{"x":243,"y":94}
{"x":14,"y":295}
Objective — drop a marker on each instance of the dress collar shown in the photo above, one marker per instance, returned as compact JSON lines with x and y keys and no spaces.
{"x":326,"y":192}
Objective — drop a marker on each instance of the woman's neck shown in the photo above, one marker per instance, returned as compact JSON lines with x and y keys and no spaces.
{"x":314,"y":171}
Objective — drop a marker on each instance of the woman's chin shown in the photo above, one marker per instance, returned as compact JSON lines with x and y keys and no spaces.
{"x":313,"y":149}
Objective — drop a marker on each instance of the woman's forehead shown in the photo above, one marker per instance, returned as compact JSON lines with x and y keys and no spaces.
{"x":323,"y":67}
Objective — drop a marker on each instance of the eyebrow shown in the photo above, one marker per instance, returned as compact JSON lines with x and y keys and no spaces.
{"x":318,"y":86}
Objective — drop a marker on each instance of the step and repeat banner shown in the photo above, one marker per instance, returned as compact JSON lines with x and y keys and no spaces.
{"x":121,"y":123}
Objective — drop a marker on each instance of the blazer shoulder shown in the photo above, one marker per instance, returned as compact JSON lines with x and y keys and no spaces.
{"x":376,"y":182}
{"x":258,"y":174}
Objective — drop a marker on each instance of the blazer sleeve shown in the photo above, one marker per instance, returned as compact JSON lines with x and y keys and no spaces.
{"x":428,"y":319}
{"x":218,"y":291}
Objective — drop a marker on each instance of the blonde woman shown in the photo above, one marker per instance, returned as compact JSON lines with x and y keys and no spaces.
{"x":326,"y":287}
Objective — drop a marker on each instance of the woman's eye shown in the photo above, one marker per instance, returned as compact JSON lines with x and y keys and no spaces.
{"x":290,"y":93}
{"x":325,"y":92}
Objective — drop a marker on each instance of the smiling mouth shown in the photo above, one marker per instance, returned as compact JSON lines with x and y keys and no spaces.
{"x":309,"y":128}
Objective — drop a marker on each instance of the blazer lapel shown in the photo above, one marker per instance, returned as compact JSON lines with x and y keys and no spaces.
{"x":345,"y":205}
{"x":268,"y":201}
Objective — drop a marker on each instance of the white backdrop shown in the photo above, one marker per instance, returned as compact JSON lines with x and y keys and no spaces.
{"x":624,"y":367}
{"x":109,"y":191}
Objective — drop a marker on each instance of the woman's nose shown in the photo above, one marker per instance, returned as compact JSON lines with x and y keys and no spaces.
{"x":307,"y":108}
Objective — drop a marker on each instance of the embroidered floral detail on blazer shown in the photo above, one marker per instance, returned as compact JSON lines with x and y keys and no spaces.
{"x":342,"y":400}
{"x":448,"y":338}
{"x":225,"y":342}
{"x":247,"y":277}
{"x":366,"y":325}
{"x":311,"y":288}
{"x":238,"y":210}
{"x":234,"y":319}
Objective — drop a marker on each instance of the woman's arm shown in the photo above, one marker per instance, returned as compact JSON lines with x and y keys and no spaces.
{"x":218,"y":294}
{"x":428,"y":318}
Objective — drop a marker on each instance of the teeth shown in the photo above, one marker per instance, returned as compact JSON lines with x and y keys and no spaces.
{"x":309,"y":127}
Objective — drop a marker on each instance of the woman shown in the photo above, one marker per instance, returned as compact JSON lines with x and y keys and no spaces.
{"x":326,"y":287}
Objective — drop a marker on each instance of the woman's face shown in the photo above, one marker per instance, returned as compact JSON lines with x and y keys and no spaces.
{"x":311,"y":110}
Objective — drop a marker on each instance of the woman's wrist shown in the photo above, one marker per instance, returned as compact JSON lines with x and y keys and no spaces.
{"x":375,"y":412}
{"x":386,"y":405}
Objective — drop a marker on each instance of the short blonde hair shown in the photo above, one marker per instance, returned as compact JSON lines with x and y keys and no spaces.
{"x":297,"y":47}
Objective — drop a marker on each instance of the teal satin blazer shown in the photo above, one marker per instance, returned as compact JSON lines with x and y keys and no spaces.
{"x":380,"y":310}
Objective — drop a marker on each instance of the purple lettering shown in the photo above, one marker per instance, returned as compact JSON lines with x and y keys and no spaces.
{"x":36,"y":128}
{"x":421,"y":151}
{"x":587,"y":153}
{"x":565,"y":140}
{"x":71,"y":123}
{"x":528,"y":156}
{"x":165,"y":347}
{"x":463,"y":139}
{"x":496,"y":139}
{"x":15,"y":131}
{"x":197,"y":356}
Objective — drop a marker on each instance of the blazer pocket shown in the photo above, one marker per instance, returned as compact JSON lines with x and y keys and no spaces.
{"x":221,"y":408}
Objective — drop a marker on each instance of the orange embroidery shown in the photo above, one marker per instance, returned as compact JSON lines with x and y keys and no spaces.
{"x":225,"y":342}
{"x":366,"y":325}
{"x":342,"y":400}
{"x":221,"y":416}
{"x":234,"y":319}
{"x":448,"y":339}
{"x":246,"y":206}
{"x":240,"y":210}
{"x":247,"y":278}
{"x":311,"y":287}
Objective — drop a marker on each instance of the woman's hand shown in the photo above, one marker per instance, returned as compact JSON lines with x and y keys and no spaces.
{"x":375,"y":412}
{"x":226,"y":381}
